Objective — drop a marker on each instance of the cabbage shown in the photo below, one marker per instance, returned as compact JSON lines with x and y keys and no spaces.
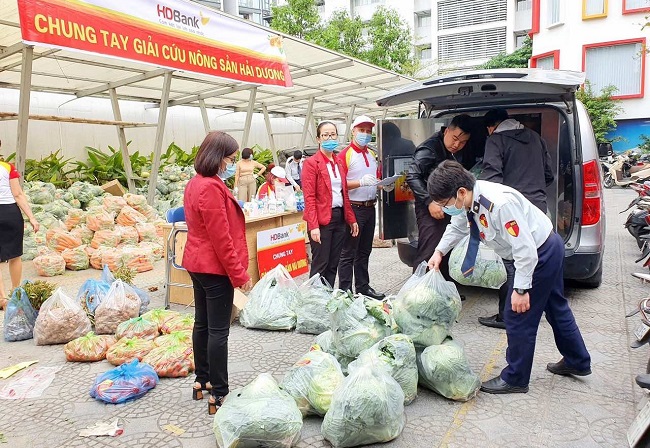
{"x":311,"y":309}
{"x":312,"y":381}
{"x":444,"y":369}
{"x":398,"y":353}
{"x":367,"y":408}
{"x":489,"y":271}
{"x":426,"y":307}
{"x":259,"y":414}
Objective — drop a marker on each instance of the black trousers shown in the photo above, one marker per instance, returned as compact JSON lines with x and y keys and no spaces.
{"x":356,"y":251}
{"x":430,"y":231}
{"x":326,"y":255}
{"x":506,"y":287}
{"x":213,"y":297}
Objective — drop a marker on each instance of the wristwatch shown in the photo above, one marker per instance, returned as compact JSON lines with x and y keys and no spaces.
{"x":521,"y":291}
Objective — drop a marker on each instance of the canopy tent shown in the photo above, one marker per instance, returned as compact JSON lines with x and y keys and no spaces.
{"x":326,"y":85}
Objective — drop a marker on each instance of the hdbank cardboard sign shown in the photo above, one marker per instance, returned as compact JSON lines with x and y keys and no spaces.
{"x":283,"y":245}
{"x":174,"y":34}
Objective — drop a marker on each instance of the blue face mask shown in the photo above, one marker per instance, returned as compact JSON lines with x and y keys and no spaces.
{"x":329,"y":145}
{"x":362,"y":139}
{"x":452,"y":210}
{"x":231,"y":168}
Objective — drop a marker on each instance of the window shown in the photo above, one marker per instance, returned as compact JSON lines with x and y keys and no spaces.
{"x":368,"y":2}
{"x":594,"y":9}
{"x":454,"y":13}
{"x":425,"y":53}
{"x":472,"y":45}
{"x":424,"y":21}
{"x":620,"y":63}
{"x":632,"y":6}
{"x":520,"y":39}
{"x":546,"y":61}
{"x":554,"y":7}
{"x":524,"y":5}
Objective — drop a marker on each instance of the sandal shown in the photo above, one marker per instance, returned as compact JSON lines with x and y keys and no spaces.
{"x":198,"y":388}
{"x":3,"y":303}
{"x":214,"y":403}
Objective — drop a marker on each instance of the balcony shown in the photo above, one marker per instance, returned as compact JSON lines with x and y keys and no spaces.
{"x":423,"y":35}
{"x":422,"y":5}
{"x":523,"y":20}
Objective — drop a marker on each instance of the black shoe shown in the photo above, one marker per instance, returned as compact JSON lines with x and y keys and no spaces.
{"x":492,"y":321}
{"x":462,"y":298}
{"x":497,"y":386}
{"x":643,"y":380}
{"x":560,"y":368}
{"x":369,"y":292}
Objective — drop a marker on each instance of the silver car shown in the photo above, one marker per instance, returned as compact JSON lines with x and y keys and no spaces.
{"x":543,"y":100}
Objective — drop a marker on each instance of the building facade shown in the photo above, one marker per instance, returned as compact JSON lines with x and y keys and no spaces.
{"x":258,"y":11}
{"x":604,"y":39}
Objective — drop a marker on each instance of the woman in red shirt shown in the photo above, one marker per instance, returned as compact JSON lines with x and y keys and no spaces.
{"x":327,"y":205}
{"x":216,"y":257}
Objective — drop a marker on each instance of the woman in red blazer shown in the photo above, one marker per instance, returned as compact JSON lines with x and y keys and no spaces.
{"x":327,"y":205}
{"x":216,"y":257}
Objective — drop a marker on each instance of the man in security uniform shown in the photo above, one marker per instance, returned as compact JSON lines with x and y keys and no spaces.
{"x":360,"y":167}
{"x":516,"y":230}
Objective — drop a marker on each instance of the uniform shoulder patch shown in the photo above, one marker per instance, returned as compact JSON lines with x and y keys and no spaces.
{"x":513,"y":228}
{"x":483,"y":220}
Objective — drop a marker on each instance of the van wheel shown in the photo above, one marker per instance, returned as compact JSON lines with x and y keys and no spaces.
{"x":609,"y":181}
{"x":594,"y":281}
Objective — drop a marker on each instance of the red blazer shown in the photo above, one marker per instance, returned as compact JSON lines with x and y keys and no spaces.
{"x":216,"y":238}
{"x":317,"y":189}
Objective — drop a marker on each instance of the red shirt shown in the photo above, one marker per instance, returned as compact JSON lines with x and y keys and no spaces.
{"x":317,"y":189}
{"x":216,"y":238}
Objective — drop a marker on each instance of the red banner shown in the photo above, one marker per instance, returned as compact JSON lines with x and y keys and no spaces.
{"x":284,"y":245}
{"x":173,"y":34}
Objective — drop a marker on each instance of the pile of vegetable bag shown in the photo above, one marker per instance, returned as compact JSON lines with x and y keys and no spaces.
{"x":312,"y":381}
{"x":444,"y":369}
{"x":124,"y":383}
{"x":272,"y":302}
{"x":358,"y":322}
{"x":311,"y":309}
{"x":397,"y":352}
{"x":488,"y":272}
{"x":20,"y":317}
{"x":259,"y":414}
{"x":367,"y":408}
{"x":426,"y":307}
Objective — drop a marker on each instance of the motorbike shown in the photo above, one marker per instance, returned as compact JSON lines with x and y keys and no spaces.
{"x":624,"y":172}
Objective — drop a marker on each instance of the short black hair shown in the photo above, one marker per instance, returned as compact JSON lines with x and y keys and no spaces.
{"x":447,"y":178}
{"x":215,"y":147}
{"x":297,"y":155}
{"x":246,"y":153}
{"x":495,"y":116}
{"x":462,"y":121}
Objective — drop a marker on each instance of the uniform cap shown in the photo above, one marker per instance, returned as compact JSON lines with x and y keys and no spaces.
{"x":362,"y":119}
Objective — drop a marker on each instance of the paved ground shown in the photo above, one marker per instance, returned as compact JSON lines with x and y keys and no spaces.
{"x":557,"y":412}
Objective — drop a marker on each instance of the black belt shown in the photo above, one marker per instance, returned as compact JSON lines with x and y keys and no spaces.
{"x":364,"y":203}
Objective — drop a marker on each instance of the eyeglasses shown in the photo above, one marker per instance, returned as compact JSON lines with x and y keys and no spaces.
{"x":329,"y":136}
{"x":230,"y":159}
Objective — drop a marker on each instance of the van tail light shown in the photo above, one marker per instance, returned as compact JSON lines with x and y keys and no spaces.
{"x":591,"y":193}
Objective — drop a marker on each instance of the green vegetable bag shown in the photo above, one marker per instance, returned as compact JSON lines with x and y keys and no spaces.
{"x":426,"y":307}
{"x":259,"y":414}
{"x":489,"y":271}
{"x":311,"y":309}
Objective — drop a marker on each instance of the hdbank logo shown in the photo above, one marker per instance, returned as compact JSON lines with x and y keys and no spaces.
{"x":175,"y":15}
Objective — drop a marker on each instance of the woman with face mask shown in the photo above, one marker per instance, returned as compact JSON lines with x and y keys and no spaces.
{"x":245,"y":176}
{"x":327,"y":205}
{"x":216,"y":258}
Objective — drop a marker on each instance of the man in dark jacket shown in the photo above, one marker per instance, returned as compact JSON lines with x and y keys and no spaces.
{"x":443,"y":145}
{"x":517,"y":157}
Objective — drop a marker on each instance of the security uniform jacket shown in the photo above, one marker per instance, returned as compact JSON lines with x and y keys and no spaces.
{"x":508,"y":223}
{"x":317,"y":190}
{"x":517,"y":156}
{"x":216,"y":238}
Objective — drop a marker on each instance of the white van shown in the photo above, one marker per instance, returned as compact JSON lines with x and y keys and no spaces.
{"x":543,"y":100}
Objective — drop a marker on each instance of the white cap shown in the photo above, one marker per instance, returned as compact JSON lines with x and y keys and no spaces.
{"x":362,"y":119}
{"x":278,"y":171}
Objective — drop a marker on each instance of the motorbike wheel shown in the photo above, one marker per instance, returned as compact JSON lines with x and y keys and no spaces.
{"x":608,"y":182}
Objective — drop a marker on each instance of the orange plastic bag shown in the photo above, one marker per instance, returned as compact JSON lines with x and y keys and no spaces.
{"x":75,"y":217}
{"x":76,"y":259}
{"x":128,"y":235}
{"x":110,"y":238}
{"x":60,"y":240}
{"x":49,"y":265}
{"x":83,"y":233}
{"x":183,"y":337}
{"x":128,"y":349}
{"x":96,"y":256}
{"x":88,"y":348}
{"x":130,"y":216}
{"x":139,"y":259}
{"x":178,"y":323}
{"x":114,"y":204}
{"x":112,"y":258}
{"x":137,"y":327}
{"x":160,"y":315}
{"x":97,"y":219}
{"x":147,"y":231}
{"x":171,"y":361}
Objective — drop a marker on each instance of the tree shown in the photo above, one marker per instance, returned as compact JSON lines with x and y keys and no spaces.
{"x":299,"y":18}
{"x":390,"y":42}
{"x":343,"y":34}
{"x":517,"y":59}
{"x":644,"y":146}
{"x":602,"y":110}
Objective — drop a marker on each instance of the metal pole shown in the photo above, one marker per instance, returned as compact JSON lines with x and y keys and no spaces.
{"x":204,"y":116}
{"x":308,"y":120}
{"x":249,"y":117}
{"x":267,"y":120}
{"x":383,"y":115}
{"x":162,"y":116}
{"x":231,"y":7}
{"x":121,"y":136}
{"x":23,"y":109}
{"x":348,"y":121}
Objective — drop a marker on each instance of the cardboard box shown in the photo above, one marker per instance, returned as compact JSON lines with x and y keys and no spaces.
{"x":114,"y":187}
{"x":239,"y":302}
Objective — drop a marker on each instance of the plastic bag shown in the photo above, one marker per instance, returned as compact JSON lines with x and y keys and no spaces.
{"x":138,"y":327}
{"x":75,"y":218}
{"x":259,"y":414}
{"x":111,"y":257}
{"x":20,"y":317}
{"x":104,"y":237}
{"x":92,"y":293}
{"x":159,"y":315}
{"x":311,"y":308}
{"x":146,"y":231}
{"x":127,"y":349}
{"x":183,"y":337}
{"x":157,"y":250}
{"x":135,"y":200}
{"x":367,"y":408}
{"x":76,"y":259}
{"x":129,"y":217}
{"x":128,"y":235}
{"x":444,"y":369}
{"x":426,"y":307}
{"x":397,"y":352}
{"x":59,"y":240}
{"x":171,"y":361}
{"x":58,"y":208}
{"x":121,"y":303}
{"x":114,"y":204}
{"x":139,"y":259}
{"x":358,"y":322}
{"x":272,"y":302}
{"x":312,"y":381}
{"x":182,"y":322}
{"x":96,"y":256}
{"x":83,"y":233}
{"x":488,"y":272}
{"x":98,"y":219}
{"x":123,"y":383}
{"x":60,"y":320}
{"x":88,"y":348}
{"x":49,"y":265}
